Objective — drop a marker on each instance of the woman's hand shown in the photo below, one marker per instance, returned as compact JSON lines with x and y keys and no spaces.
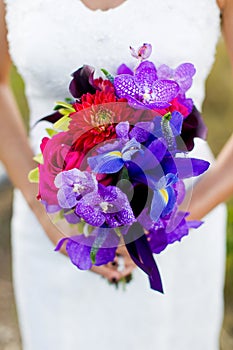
{"x":120,"y":268}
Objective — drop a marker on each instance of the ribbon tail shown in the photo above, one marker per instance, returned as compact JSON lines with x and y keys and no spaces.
{"x":140,"y":252}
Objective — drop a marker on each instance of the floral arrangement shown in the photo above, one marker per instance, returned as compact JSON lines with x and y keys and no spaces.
{"x":113,"y":164}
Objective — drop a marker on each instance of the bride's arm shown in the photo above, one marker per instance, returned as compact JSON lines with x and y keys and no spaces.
{"x":216,"y":185}
{"x":16,"y":153}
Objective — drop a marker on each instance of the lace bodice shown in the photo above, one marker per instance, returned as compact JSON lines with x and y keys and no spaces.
{"x":50,"y":39}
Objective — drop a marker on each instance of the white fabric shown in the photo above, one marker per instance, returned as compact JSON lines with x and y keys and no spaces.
{"x":60,"y":307}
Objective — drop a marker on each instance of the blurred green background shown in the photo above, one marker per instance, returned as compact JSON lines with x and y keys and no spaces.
{"x":218,"y":114}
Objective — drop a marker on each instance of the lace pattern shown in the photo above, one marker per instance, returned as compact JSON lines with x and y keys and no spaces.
{"x":42,"y":33}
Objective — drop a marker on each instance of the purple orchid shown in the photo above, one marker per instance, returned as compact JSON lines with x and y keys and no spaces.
{"x":169,"y":230}
{"x":144,"y":89}
{"x":109,"y":205}
{"x":183,"y":75}
{"x":73,"y":184}
{"x":124,"y":69}
{"x":97,"y":249}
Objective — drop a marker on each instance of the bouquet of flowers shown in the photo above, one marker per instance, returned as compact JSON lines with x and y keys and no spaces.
{"x":113,"y":164}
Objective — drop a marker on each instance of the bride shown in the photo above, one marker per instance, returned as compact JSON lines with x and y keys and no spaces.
{"x":58,"y":306}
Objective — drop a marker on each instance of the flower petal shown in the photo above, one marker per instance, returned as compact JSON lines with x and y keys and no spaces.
{"x":125,"y":86}
{"x":91,"y":215}
{"x":164,"y":72}
{"x":82,"y":81}
{"x":124,"y":69}
{"x":67,"y":198}
{"x":108,"y":163}
{"x":165,"y":91}
{"x":157,"y":206}
{"x":183,"y":75}
{"x":145,"y":76}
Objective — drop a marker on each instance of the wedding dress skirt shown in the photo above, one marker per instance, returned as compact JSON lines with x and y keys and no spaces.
{"x":60,"y":307}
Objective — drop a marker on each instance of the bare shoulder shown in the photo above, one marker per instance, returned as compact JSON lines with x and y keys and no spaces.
{"x":4,"y":57}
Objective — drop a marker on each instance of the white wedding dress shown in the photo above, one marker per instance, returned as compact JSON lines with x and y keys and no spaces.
{"x":60,"y":307}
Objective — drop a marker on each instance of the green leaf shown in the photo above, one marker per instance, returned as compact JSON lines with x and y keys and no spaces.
{"x":65,"y":105}
{"x":33,"y":175}
{"x":51,"y":132}
{"x":118,"y":231}
{"x":167,"y":131}
{"x":64,"y":111}
{"x":69,"y":100}
{"x":62,"y":124}
{"x":98,"y":244}
{"x":39,"y":158}
{"x":58,"y":216}
{"x":108,"y":75}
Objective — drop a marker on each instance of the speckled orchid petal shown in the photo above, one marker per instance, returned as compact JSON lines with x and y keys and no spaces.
{"x":164,"y":72}
{"x":145,"y":76}
{"x":72,"y":185}
{"x":123,"y":217}
{"x":164,"y":91}
{"x":125,"y":86}
{"x":183,"y":75}
{"x":90,"y":213}
{"x":95,"y":207}
{"x":79,"y":248}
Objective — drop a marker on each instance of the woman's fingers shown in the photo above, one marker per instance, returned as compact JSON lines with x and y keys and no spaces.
{"x":108,"y":272}
{"x":121,"y":267}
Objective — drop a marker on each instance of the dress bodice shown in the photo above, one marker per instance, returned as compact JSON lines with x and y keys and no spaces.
{"x":50,"y":39}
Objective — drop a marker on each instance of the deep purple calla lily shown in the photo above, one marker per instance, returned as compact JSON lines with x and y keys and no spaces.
{"x":193,"y":126}
{"x":82,"y":82}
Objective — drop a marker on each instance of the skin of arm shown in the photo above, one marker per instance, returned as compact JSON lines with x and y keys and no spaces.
{"x":16,"y":155}
{"x":216,"y":185}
